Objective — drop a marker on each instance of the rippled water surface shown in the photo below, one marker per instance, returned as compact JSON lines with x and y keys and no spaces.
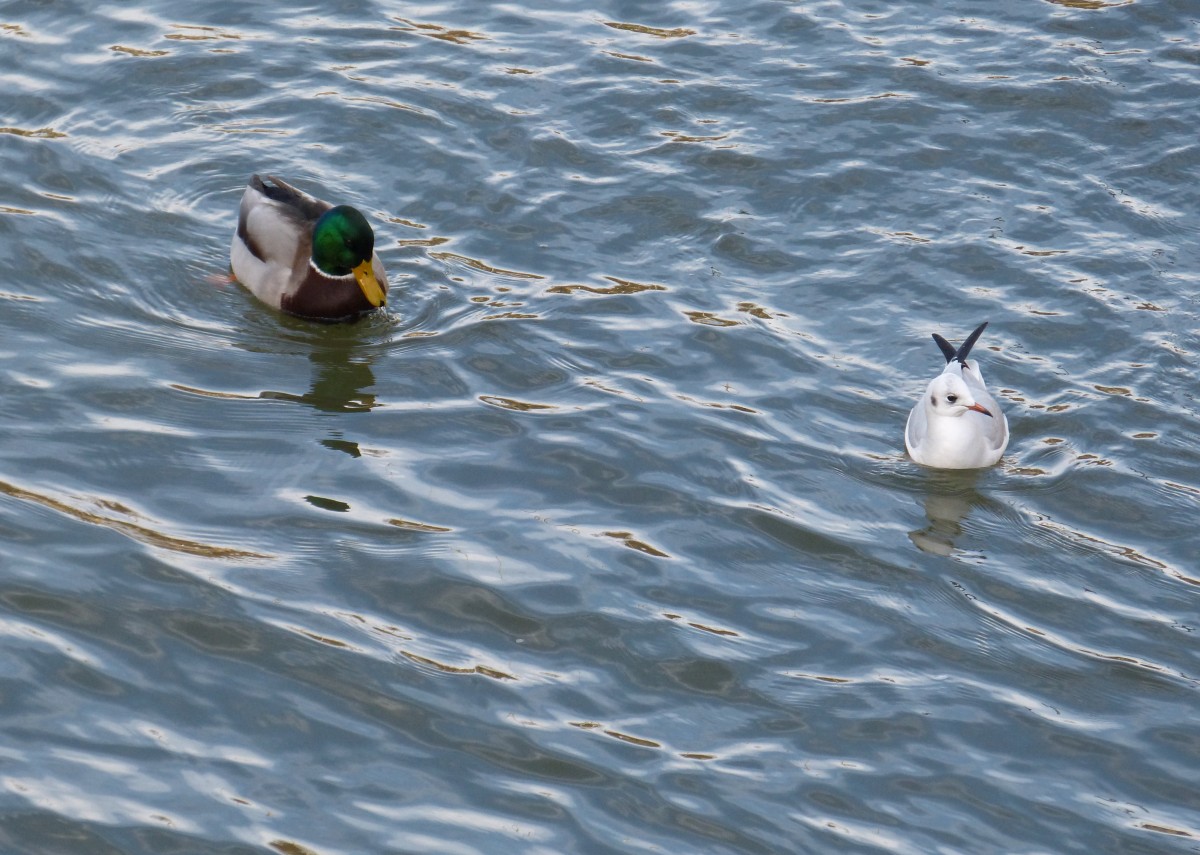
{"x":602,"y":539}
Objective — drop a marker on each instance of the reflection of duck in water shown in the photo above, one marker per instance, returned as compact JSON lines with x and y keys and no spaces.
{"x":957,"y":424}
{"x":304,"y":256}
{"x":340,"y":384}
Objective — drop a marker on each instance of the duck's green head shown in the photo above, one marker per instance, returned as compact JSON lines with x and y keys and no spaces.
{"x":343,"y":243}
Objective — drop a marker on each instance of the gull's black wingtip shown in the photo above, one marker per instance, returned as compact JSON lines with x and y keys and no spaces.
{"x":946,"y":348}
{"x":965,"y":349}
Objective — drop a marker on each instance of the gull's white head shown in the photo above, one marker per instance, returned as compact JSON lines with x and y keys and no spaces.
{"x":949,"y":396}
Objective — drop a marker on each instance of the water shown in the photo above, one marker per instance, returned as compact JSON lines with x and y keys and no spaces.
{"x":603,"y":539}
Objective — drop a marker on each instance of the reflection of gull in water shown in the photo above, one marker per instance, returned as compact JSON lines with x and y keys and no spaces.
{"x":948,"y":501}
{"x":945,"y":513}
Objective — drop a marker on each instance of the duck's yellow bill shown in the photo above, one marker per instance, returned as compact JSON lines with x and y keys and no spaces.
{"x":371,"y":289}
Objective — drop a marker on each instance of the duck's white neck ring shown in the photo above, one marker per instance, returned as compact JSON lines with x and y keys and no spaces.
{"x":344,"y":278}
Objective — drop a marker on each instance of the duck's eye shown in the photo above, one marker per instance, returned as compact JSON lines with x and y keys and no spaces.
{"x":953,"y":399}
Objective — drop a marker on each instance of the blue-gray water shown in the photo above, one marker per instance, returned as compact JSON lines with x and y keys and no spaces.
{"x":603,"y":539}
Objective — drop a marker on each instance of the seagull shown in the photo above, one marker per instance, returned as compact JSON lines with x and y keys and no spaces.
{"x":957,"y":424}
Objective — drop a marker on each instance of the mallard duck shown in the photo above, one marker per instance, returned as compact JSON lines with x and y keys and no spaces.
{"x":957,"y":424}
{"x":304,"y":256}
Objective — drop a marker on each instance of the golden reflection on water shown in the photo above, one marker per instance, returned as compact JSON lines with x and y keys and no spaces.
{"x":511,"y":316}
{"x":759,"y":312}
{"x":619,"y":286}
{"x":409,"y":525}
{"x":198,"y":33}
{"x":138,"y":52}
{"x":633,"y":740}
{"x":615,"y":734}
{"x":1164,"y":829}
{"x":637,"y":740}
{"x":716,"y":405}
{"x":322,"y":639}
{"x":375,"y":99}
{"x":437,"y":31}
{"x":858,"y":100}
{"x":434,"y":241}
{"x":1090,"y":4}
{"x":207,"y":393}
{"x":800,"y":675}
{"x":482,"y":670}
{"x":1127,"y":552}
{"x":627,"y":539}
{"x":679,"y":136}
{"x":412,"y":224}
{"x":596,"y":384}
{"x":512,"y":404}
{"x":289,"y":847}
{"x":910,"y":237}
{"x":703,"y":627}
{"x":657,"y":32}
{"x":136,"y":531}
{"x":640,"y":741}
{"x":239,"y":128}
{"x":39,"y":133}
{"x":710,"y":319}
{"x":629,"y":56}
{"x":482,"y":266}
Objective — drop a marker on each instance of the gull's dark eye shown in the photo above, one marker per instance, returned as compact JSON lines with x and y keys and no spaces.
{"x":953,"y":399}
